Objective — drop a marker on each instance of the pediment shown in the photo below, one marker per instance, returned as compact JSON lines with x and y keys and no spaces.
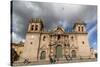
{"x":59,"y":30}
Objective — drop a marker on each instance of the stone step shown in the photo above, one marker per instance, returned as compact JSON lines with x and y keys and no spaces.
{"x":57,"y":62}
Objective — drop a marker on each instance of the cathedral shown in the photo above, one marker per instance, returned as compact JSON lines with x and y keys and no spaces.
{"x":58,"y":44}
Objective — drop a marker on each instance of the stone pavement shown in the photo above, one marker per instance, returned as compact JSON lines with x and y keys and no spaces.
{"x":57,"y":62}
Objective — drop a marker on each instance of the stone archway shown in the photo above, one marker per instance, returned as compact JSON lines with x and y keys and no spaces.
{"x":58,"y":51}
{"x":73,"y":53}
{"x":43,"y":55}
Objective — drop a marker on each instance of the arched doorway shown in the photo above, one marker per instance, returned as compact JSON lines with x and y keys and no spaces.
{"x":73,"y":53}
{"x":43,"y":55}
{"x":58,"y":51}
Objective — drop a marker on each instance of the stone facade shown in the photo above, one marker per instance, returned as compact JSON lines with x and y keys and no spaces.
{"x":41,"y":45}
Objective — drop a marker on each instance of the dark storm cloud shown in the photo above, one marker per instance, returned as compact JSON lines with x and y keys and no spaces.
{"x":53,"y":14}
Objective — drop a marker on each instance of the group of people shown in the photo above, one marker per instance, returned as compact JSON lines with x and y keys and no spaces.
{"x":53,"y":60}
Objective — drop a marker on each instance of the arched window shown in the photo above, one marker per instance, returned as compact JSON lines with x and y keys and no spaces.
{"x":82,"y":29}
{"x":43,"y":55}
{"x":72,"y":38}
{"x":82,"y":42}
{"x":31,"y":43}
{"x":32,"y":27}
{"x":58,"y":37}
{"x":36,"y":27}
{"x":78,"y":28}
{"x":44,"y":38}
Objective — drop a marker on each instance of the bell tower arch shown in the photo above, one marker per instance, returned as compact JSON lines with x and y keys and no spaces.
{"x":35,"y":25}
{"x":79,"y":26}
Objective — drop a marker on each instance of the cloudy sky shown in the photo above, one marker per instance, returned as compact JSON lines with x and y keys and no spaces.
{"x":53,"y":14}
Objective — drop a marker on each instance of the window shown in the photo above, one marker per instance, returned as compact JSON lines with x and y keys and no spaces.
{"x":20,"y":52}
{"x":36,"y":28}
{"x":31,"y":43}
{"x":82,"y":29}
{"x":78,"y":28}
{"x":58,"y":37}
{"x":32,"y":27}
{"x":44,"y":38}
{"x":82,"y":42}
{"x":64,"y":44}
{"x":72,"y":38}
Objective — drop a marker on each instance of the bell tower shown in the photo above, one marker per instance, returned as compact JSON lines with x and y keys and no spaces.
{"x":35,"y":25}
{"x":32,"y":41}
{"x":79,"y":26}
{"x":82,"y":39}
